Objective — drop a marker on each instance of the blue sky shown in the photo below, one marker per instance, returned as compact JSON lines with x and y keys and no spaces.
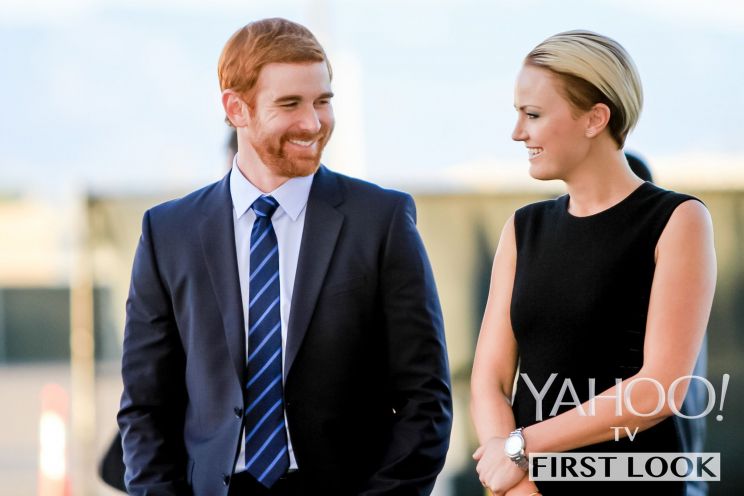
{"x":121,"y":95}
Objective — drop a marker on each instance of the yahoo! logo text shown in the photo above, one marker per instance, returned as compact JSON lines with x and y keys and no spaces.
{"x":567,"y":396}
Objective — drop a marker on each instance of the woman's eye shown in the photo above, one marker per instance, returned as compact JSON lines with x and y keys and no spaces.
{"x":532,"y":116}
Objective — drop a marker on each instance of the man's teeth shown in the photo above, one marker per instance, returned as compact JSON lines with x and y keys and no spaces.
{"x":533,"y":152}
{"x":302,"y":143}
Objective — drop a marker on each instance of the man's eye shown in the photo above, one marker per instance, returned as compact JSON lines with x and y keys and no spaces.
{"x":289,"y":105}
{"x":325,"y":101}
{"x":532,"y":116}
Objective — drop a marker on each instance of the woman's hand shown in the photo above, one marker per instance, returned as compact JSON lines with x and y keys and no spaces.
{"x":525,"y":487}
{"x":495,"y":470}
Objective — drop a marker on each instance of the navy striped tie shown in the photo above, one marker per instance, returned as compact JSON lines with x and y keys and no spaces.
{"x":266,"y":454}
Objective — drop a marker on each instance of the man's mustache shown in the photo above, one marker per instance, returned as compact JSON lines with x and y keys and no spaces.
{"x":319,"y":136}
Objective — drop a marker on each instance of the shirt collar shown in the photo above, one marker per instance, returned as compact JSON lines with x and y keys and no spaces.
{"x":292,"y":195}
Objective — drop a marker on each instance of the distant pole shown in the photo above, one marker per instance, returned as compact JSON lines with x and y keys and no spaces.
{"x":53,"y":477}
{"x":82,"y":353}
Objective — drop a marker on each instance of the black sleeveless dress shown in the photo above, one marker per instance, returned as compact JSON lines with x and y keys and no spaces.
{"x":579,"y":305}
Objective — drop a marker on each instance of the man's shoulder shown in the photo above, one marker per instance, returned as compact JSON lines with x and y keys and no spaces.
{"x":192,"y":204}
{"x":359,"y":190}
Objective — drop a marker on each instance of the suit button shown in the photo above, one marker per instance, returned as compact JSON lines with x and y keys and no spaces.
{"x":238,"y":411}
{"x":226,"y":479}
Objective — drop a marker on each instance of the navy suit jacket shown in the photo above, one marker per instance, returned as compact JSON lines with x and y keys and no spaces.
{"x":367,"y":391}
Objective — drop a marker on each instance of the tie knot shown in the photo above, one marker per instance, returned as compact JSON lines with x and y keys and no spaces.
{"x":265,"y":206}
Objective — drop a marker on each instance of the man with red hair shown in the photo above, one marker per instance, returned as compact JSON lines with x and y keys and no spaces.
{"x":283,"y":331}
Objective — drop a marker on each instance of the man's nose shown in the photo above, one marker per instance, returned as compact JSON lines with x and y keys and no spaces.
{"x":309,"y":120}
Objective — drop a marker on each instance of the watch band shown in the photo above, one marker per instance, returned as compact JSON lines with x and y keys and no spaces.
{"x":522,"y":462}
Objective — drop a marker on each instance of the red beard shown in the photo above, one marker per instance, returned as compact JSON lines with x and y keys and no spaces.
{"x":292,"y":162}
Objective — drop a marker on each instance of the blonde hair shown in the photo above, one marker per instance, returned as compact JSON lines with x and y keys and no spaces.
{"x":594,"y":69}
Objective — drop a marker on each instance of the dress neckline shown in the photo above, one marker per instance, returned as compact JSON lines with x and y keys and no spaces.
{"x":642,"y":187}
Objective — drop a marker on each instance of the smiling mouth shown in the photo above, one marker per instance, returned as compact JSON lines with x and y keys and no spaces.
{"x":534,"y":151}
{"x":303,"y":143}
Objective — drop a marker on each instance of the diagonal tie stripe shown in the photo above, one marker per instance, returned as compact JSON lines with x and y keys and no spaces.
{"x":257,"y":375}
{"x":269,"y":258}
{"x":265,"y":340}
{"x":273,"y":463}
{"x":266,"y":313}
{"x":263,"y":419}
{"x":263,"y":447}
{"x":254,"y":299}
{"x":263,"y":391}
{"x":266,"y":435}
{"x":257,"y":244}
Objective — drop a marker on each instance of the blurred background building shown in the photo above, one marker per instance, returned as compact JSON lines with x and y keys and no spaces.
{"x":111,"y":106}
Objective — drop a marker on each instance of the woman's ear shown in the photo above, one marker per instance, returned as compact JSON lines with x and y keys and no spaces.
{"x":599,"y":118}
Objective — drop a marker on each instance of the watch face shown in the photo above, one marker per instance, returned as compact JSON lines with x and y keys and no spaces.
{"x":513,"y":445}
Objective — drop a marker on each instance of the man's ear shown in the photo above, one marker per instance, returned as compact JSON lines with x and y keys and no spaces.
{"x":236,"y":109}
{"x":599,"y":118}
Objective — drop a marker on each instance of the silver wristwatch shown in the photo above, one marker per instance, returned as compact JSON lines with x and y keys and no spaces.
{"x":514,"y":449}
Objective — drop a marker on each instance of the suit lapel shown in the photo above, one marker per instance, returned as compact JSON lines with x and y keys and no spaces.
{"x":320,"y":233}
{"x":218,"y":244}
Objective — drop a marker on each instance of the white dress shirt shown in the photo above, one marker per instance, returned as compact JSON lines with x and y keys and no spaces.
{"x":288,"y":222}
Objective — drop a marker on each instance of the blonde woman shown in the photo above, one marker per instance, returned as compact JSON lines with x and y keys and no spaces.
{"x":613,"y":280}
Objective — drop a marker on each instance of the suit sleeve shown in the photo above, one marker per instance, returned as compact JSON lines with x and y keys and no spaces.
{"x":418,"y":373}
{"x":153,"y":401}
